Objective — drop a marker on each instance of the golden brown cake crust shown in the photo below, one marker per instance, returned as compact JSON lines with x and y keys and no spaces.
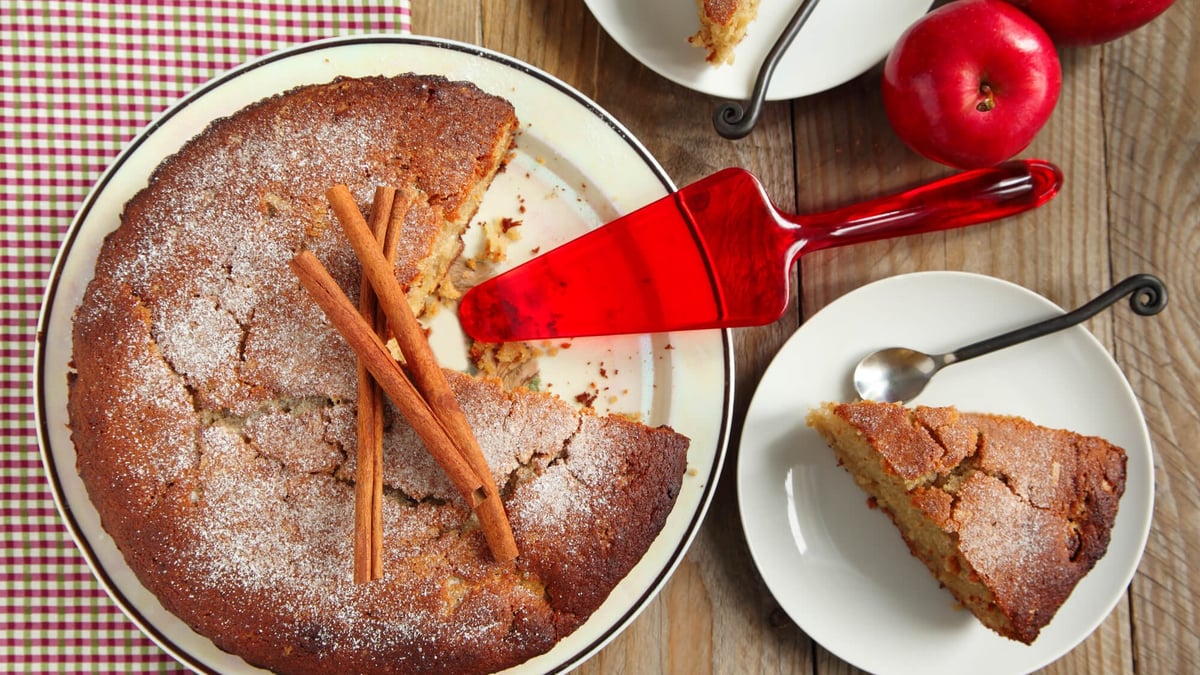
{"x":720,"y":11}
{"x":212,"y":407}
{"x":1029,"y":510}
{"x":723,"y":25}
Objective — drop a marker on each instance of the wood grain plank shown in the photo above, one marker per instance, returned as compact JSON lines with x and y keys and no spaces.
{"x":1151,"y":92}
{"x":715,"y":604}
{"x":847,"y":153}
{"x":1127,"y":136}
{"x":714,"y":613}
{"x":1059,"y":250}
{"x":451,"y":19}
{"x":559,"y":37}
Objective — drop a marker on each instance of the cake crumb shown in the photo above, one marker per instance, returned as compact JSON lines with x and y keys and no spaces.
{"x":514,"y":363}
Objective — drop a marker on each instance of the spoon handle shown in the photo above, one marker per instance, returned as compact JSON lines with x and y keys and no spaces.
{"x":1149,"y":297}
{"x":731,"y":120}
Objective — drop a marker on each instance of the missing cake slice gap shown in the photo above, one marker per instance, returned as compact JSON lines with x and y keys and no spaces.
{"x":1008,"y":515}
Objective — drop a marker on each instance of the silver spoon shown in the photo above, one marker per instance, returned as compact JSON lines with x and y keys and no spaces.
{"x":899,"y":374}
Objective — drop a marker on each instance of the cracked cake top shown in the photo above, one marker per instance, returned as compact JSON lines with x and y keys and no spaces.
{"x":212,"y":406}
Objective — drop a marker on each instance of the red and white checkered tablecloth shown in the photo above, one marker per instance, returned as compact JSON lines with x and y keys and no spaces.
{"x":78,"y":80}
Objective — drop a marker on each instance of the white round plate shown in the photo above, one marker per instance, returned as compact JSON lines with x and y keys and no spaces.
{"x":841,"y":40}
{"x":839,"y":568}
{"x":574,"y":168}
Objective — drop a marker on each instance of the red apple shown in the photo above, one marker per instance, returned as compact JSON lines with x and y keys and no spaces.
{"x":1090,"y":22}
{"x":971,"y":83}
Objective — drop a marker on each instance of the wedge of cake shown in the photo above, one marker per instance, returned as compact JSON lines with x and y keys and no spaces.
{"x":1006,"y":514}
{"x":723,"y":25}
{"x":212,"y":405}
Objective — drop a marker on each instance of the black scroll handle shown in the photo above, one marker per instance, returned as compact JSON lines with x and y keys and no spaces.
{"x":1149,"y":296}
{"x":734,"y":121}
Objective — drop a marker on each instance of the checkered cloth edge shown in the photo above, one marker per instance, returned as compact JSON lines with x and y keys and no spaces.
{"x":78,"y":80}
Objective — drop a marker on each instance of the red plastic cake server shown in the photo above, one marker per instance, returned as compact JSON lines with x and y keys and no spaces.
{"x":718,"y":253}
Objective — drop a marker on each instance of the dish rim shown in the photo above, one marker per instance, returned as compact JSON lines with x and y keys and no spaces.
{"x":52,"y":471}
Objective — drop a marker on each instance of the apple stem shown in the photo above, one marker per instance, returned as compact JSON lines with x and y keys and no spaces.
{"x":989,"y":98}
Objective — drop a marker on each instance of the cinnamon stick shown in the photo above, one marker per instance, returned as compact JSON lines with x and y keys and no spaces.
{"x":368,"y":483}
{"x":426,"y":371}
{"x":379,"y":362}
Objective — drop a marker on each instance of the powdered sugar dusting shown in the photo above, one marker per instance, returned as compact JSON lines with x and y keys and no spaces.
{"x":551,"y":501}
{"x":296,"y":437}
{"x":242,"y":498}
{"x":202,"y":343}
{"x":233,"y":405}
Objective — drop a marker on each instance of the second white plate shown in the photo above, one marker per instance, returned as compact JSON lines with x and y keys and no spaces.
{"x":841,"y":40}
{"x":839,"y":568}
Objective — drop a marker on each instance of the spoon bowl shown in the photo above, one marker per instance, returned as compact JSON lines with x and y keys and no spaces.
{"x":900,"y":374}
{"x":895,"y":374}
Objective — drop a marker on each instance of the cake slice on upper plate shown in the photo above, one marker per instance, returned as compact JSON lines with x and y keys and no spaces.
{"x":723,"y":25}
{"x":1006,"y":514}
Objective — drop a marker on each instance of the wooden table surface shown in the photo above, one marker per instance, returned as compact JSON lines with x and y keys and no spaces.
{"x":1126,"y":133}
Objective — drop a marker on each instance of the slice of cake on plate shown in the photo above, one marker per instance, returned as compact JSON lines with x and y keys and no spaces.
{"x":1006,"y":514}
{"x":723,"y":25}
